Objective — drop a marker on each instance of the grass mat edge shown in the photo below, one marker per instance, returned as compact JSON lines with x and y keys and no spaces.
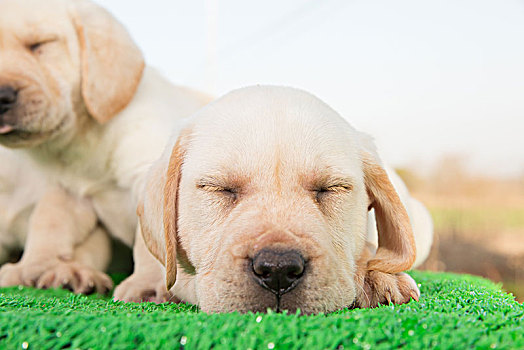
{"x":455,"y":311}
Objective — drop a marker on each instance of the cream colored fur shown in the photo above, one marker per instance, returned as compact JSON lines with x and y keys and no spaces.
{"x":63,"y":244}
{"x":243,"y":174}
{"x":89,"y":115}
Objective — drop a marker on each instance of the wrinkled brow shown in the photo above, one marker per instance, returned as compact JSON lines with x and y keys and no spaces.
{"x":324,"y":179}
{"x":224,"y":180}
{"x":38,"y":33}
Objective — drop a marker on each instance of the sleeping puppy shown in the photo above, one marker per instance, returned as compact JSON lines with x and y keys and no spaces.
{"x":263,"y":201}
{"x":76,"y":98}
{"x":25,"y":198}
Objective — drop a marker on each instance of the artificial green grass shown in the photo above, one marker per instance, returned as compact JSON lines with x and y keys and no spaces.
{"x":454,"y":312}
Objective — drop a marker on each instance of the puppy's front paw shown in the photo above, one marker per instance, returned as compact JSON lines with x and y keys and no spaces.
{"x":381,"y":288}
{"x":55,"y":274}
{"x":142,"y":287}
{"x":75,"y":277}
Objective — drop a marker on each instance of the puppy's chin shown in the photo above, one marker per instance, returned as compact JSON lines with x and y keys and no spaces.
{"x":228,"y":293}
{"x":23,"y":139}
{"x":27,"y":134}
{"x":291,"y":303}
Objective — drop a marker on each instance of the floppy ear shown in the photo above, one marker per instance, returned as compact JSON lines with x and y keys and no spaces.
{"x":174,"y":174}
{"x":111,"y":63}
{"x":150,"y":212}
{"x":396,"y":244}
{"x":158,"y":209}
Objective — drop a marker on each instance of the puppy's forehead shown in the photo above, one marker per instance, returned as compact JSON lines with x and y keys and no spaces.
{"x":252,"y":128}
{"x":28,"y":16}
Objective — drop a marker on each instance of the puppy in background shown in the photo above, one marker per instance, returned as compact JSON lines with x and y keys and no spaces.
{"x":29,"y":204}
{"x":267,"y":198}
{"x":77,"y":99}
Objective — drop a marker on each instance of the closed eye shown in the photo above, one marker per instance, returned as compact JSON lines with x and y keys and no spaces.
{"x":324,"y":192}
{"x":227,"y":191}
{"x":37,"y":44}
{"x":336,"y":188}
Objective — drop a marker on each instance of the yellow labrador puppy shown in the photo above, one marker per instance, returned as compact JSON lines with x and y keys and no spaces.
{"x":75,"y":96}
{"x":262,"y":200}
{"x":28,"y":203}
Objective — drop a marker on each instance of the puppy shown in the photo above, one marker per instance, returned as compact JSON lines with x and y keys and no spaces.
{"x":25,"y":196}
{"x":262,"y":201}
{"x":76,"y":97}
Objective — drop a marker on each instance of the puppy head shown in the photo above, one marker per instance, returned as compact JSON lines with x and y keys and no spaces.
{"x":59,"y":59}
{"x":265,"y":201}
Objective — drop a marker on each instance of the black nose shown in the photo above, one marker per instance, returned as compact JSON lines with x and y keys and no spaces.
{"x":7,"y":98}
{"x":279,"y":271}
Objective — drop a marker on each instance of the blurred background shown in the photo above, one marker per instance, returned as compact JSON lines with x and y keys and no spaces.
{"x":438,"y":83}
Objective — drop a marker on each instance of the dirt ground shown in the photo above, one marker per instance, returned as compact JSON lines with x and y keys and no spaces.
{"x":479,"y":223}
{"x":499,"y":258}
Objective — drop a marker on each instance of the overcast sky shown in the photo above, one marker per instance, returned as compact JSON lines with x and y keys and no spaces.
{"x":425,"y":78}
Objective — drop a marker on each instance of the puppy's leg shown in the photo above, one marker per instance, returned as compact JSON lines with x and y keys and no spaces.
{"x":95,"y":251}
{"x":59,"y":223}
{"x":147,"y":283}
{"x":376,"y":288}
{"x":82,"y":274}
